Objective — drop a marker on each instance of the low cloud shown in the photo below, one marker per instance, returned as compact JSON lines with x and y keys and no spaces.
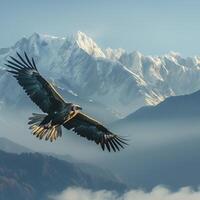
{"x":158,"y":193}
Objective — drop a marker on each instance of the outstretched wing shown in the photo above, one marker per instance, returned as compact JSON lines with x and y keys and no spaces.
{"x":41,"y":92}
{"x":85,"y":126}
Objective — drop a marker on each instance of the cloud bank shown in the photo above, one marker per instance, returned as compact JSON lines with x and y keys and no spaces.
{"x":158,"y":193}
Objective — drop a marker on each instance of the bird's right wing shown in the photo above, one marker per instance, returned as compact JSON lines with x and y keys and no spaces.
{"x":91,"y":129}
{"x":41,"y":92}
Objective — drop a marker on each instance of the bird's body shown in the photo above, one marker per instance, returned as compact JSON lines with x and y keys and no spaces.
{"x":57,"y":111}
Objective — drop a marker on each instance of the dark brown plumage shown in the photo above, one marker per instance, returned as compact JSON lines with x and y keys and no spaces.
{"x":58,"y":111}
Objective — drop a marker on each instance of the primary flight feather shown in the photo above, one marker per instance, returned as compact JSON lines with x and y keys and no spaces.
{"x":58,"y":111}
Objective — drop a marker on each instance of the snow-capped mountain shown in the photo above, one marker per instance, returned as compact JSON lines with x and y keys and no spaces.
{"x":166,"y":75}
{"x":121,"y":81}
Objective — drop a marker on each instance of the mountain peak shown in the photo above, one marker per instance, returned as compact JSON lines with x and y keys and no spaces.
{"x":137,"y":54}
{"x":44,"y":36}
{"x":87,"y":44}
{"x":114,"y":54}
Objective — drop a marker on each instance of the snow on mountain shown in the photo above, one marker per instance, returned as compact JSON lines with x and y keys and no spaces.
{"x":166,"y":75}
{"x":114,"y":54}
{"x":121,"y":81}
{"x":88,"y":45}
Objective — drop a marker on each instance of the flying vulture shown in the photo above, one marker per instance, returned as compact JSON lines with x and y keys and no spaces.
{"x":57,"y":111}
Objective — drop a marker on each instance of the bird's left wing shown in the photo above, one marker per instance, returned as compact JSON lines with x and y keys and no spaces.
{"x":37,"y":88}
{"x":85,"y":126}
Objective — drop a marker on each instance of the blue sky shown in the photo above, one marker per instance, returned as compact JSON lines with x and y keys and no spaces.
{"x":153,"y":27}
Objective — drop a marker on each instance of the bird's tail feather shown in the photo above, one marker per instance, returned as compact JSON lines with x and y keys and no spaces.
{"x":50,"y":132}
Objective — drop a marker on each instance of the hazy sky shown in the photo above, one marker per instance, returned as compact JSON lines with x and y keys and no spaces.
{"x":150,"y":26}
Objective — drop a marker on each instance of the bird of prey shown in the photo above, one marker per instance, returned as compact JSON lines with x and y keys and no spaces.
{"x":57,"y":112}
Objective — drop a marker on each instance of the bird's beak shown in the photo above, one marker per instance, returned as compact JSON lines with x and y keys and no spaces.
{"x":79,"y":108}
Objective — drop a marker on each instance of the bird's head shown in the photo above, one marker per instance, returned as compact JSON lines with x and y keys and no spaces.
{"x":76,"y":107}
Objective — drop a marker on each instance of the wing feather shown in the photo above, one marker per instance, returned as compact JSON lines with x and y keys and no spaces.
{"x":41,"y":92}
{"x":91,"y":129}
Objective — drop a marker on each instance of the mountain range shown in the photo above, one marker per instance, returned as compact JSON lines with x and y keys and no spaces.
{"x":175,"y":107}
{"x":28,"y":175}
{"x":117,"y":81}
